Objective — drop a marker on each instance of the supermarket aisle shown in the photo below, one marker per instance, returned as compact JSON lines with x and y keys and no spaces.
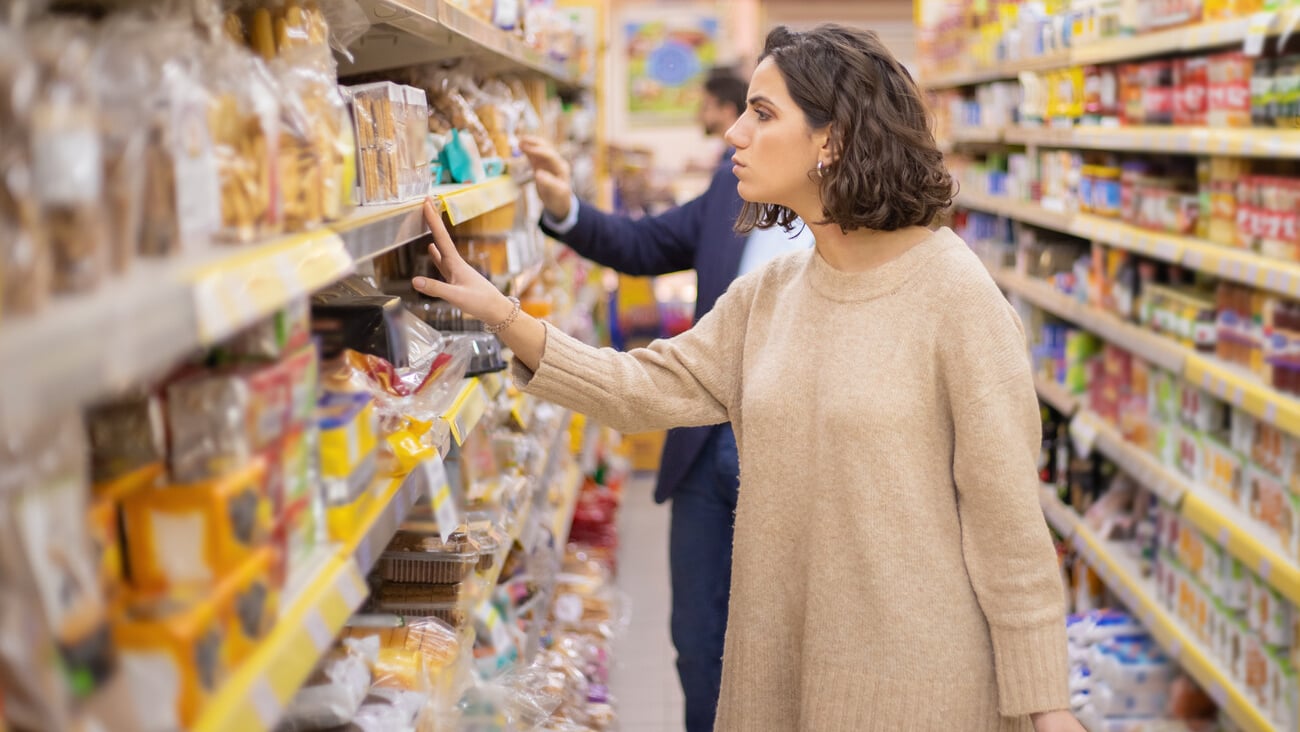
{"x":645,"y":679}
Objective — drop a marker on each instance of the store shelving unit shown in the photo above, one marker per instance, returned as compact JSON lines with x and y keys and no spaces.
{"x":1233,"y":385}
{"x":1199,"y":37}
{"x":322,"y":596}
{"x":1237,"y":142}
{"x":84,"y":348}
{"x":408,"y":32}
{"x":1056,"y":395}
{"x":1030,"y":213}
{"x":1155,"y":349}
{"x":1059,"y":516}
{"x":1235,"y":265}
{"x":1120,"y":572}
{"x":1091,"y":432}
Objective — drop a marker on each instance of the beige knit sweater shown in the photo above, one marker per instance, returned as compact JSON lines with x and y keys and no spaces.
{"x":892,"y":570}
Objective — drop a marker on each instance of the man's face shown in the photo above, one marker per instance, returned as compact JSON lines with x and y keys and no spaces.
{"x":715,"y":116}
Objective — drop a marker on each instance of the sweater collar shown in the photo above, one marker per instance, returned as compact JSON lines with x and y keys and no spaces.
{"x":886,"y":279}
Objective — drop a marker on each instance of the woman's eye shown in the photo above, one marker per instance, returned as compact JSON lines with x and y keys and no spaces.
{"x":762,"y":116}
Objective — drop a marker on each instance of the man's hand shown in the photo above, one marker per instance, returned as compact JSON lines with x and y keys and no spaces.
{"x":553,"y":175}
{"x":1059,"y":721}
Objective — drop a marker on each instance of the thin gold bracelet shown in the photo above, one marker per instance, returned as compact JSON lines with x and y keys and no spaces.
{"x":509,"y":321}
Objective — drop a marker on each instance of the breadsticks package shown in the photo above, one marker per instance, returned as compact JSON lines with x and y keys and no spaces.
{"x":243,"y":118}
{"x":25,"y":266}
{"x":67,"y":157}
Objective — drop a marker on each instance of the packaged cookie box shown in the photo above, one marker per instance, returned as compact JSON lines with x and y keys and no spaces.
{"x":412,"y":601}
{"x":383,"y":154}
{"x":418,"y":555}
{"x":195,"y":535}
{"x":449,"y":603}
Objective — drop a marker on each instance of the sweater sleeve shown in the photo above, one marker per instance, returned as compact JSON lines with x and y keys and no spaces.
{"x":687,"y":381}
{"x":1005,"y":541}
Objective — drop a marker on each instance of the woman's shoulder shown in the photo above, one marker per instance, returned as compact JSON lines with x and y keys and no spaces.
{"x":959,"y":275}
{"x":782,"y":268}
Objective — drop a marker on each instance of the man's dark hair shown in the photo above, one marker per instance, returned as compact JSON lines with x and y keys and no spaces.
{"x":887,"y":173}
{"x":727,"y":88}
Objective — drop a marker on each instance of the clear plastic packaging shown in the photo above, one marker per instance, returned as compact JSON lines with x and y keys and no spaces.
{"x":68,"y":160}
{"x":422,"y":557}
{"x":54,"y":636}
{"x":207,"y":425}
{"x":182,"y":185}
{"x":125,"y":435}
{"x":446,"y":97}
{"x":379,"y":114}
{"x":305,"y":141}
{"x":336,"y":689}
{"x":121,"y":81}
{"x":485,"y":353}
{"x":415,"y":130}
{"x":244,"y":121}
{"x":25,"y":266}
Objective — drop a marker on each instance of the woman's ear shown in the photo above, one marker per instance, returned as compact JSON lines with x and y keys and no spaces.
{"x":825,"y":141}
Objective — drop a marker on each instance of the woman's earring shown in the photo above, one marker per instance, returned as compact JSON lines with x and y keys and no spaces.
{"x":821,"y":169}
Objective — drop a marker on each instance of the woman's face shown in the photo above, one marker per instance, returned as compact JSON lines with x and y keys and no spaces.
{"x":775,"y":147}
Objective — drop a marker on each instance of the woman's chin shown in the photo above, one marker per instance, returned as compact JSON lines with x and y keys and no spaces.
{"x":748,"y":195}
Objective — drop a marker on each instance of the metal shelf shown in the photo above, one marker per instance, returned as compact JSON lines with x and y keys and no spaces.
{"x":1056,"y":395}
{"x":87,"y":347}
{"x":1123,"y":576}
{"x":1202,"y":36}
{"x":411,"y":32}
{"x":1154,"y":348}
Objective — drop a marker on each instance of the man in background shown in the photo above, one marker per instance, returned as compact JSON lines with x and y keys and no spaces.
{"x":699,"y":467}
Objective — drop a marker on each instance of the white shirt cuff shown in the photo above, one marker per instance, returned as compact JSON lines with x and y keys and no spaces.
{"x":567,"y":224}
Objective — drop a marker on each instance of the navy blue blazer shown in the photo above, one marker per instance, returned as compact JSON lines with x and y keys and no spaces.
{"x":696,"y":235}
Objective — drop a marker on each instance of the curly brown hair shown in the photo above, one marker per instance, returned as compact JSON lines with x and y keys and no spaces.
{"x":887,"y":173}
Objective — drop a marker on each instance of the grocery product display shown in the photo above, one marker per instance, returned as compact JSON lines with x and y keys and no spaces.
{"x":249,"y":481}
{"x":1126,"y":173}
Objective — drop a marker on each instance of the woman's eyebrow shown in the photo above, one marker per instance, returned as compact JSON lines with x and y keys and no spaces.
{"x":757,"y":99}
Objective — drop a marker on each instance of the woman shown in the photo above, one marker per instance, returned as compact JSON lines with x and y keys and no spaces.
{"x":892,"y":569}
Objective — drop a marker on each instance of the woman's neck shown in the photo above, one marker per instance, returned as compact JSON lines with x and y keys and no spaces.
{"x":861,"y":250}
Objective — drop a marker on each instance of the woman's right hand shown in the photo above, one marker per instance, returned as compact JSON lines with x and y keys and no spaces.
{"x":464,"y":287}
{"x":476,"y":297}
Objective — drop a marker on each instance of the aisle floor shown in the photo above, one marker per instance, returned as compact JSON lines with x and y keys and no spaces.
{"x":644,"y":680}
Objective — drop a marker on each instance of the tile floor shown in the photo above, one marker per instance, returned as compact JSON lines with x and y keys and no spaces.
{"x":644,"y":679}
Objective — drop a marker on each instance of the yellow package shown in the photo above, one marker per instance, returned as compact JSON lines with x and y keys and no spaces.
{"x":103,"y":525}
{"x":196,"y":534}
{"x":347,"y":444}
{"x":249,"y":602}
{"x":178,"y":647}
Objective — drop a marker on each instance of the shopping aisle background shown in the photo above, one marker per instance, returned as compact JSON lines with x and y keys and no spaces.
{"x":644,"y":680}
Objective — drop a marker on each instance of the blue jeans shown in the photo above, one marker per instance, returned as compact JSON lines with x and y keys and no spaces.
{"x":703,"y":516}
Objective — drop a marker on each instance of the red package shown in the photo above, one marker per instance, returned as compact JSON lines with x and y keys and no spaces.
{"x":1229,"y":91}
{"x":1191,"y":79}
{"x":1157,"y":92}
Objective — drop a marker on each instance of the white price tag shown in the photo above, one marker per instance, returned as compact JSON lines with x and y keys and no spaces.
{"x":321,"y":637}
{"x":265,"y":703}
{"x":445,"y":508}
{"x":1257,"y":32}
{"x":497,"y":630}
{"x":1084,"y":433}
{"x":353,"y":589}
{"x":1217,"y":693}
{"x":1288,"y":25}
{"x":568,"y":608}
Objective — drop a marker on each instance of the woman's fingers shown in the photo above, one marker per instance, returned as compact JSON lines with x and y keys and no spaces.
{"x":431,"y":287}
{"x":445,"y":247}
